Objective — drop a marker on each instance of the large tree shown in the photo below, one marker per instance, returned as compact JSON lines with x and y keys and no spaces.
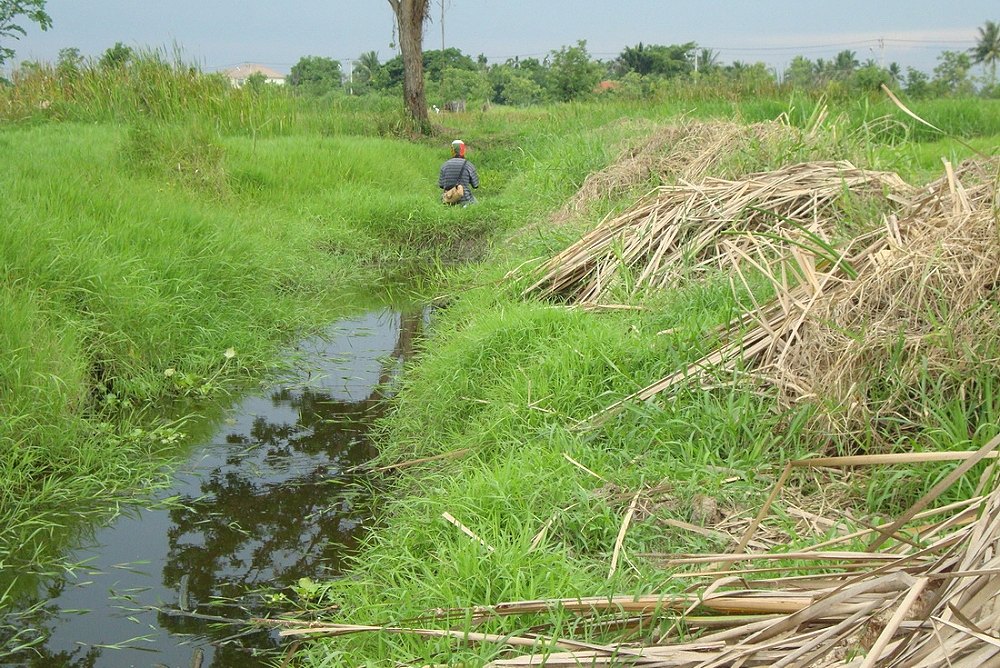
{"x":11,"y":14}
{"x":917,"y":83}
{"x":572,"y":73}
{"x":986,"y":52}
{"x":117,"y":56}
{"x":315,"y":75}
{"x":410,"y":17}
{"x":435,"y":62}
{"x":951,"y":76}
{"x":657,"y":59}
{"x":801,"y":72}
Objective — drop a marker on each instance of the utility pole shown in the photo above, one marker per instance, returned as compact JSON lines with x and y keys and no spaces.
{"x":881,"y":53}
{"x":442,"y":51}
{"x":349,"y":76}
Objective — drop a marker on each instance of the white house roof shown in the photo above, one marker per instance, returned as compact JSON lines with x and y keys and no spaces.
{"x":243,"y":71}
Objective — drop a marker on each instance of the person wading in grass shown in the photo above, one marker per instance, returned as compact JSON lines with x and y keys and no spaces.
{"x":458,"y":171}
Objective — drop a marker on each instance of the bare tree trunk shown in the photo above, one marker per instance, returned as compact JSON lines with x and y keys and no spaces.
{"x":410,"y":16}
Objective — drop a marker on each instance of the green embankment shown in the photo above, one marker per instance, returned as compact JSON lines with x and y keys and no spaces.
{"x":150,"y":250}
{"x":505,"y":383}
{"x":144,"y":262}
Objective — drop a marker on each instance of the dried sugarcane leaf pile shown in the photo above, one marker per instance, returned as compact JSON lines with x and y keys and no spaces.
{"x":924,"y":305}
{"x":683,"y":151}
{"x":913,"y":300}
{"x":933,"y":600}
{"x":930,"y":597}
{"x":681,"y":227}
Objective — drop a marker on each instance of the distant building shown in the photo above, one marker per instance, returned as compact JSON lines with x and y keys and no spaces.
{"x":238,"y":75}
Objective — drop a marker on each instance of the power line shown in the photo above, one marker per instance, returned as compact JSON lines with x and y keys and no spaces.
{"x":931,"y":41}
{"x":831,"y":45}
{"x":873,"y":42}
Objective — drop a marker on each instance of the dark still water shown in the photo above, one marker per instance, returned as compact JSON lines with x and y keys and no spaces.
{"x":259,"y":505}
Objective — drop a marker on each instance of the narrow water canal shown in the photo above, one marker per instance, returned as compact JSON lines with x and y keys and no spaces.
{"x":259,"y":504}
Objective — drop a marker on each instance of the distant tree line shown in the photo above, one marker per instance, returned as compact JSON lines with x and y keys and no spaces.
{"x":570,"y":73}
{"x":952,"y":76}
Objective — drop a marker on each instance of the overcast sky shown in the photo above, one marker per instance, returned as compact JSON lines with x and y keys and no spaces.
{"x":219,"y":33}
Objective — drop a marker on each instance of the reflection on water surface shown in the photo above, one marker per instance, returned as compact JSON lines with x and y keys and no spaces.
{"x":259,"y":505}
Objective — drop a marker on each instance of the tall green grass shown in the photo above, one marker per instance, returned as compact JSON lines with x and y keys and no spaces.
{"x":161,"y":233}
{"x":507,"y":385}
{"x":511,"y":382}
{"x":158,"y":87}
{"x":144,"y":262}
{"x":150,"y":250}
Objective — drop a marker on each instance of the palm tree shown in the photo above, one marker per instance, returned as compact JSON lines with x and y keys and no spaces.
{"x":366,"y":65}
{"x":825,"y":70}
{"x":987,"y":49}
{"x":896,"y":72}
{"x":634,"y":59}
{"x":708,"y":59}
{"x":845,"y":63}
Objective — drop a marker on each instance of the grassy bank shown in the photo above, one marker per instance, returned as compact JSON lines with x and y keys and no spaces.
{"x":161,"y":235}
{"x":145,"y":262}
{"x":494,"y":426}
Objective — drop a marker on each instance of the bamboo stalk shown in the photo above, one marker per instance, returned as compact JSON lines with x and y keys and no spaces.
{"x":621,"y":534}
{"x":414,"y":462}
{"x":890,"y":628}
{"x":936,"y":491}
{"x":466,"y":530}
{"x":895,"y":458}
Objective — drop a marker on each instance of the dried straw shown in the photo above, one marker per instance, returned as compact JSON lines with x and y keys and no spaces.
{"x":907,"y":302}
{"x":652,"y":241}
{"x":681,"y":151}
{"x":922,"y":307}
{"x":927,"y":605}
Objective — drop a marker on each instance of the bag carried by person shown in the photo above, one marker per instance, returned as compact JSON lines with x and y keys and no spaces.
{"x":454,"y":194}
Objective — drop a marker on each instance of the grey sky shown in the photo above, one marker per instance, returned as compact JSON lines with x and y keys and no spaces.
{"x":220,"y":33}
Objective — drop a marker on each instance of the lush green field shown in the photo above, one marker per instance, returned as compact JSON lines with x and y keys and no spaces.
{"x":507,"y":383}
{"x":146,"y":262}
{"x":160,"y":237}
